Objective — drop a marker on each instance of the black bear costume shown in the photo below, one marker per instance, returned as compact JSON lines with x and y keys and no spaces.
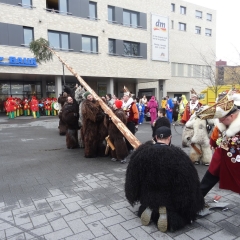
{"x":164,"y":176}
{"x":70,"y":116}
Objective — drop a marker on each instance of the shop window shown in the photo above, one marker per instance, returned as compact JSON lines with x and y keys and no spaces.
{"x":130,"y":48}
{"x":4,"y":88}
{"x":58,"y":40}
{"x":50,"y":88}
{"x":89,"y":44}
{"x":130,"y":18}
{"x":92,"y":10}
{"x":16,"y":89}
{"x":57,"y":6}
{"x":28,"y":35}
{"x":111,"y":46}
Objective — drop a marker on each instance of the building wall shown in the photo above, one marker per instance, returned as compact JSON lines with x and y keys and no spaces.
{"x":184,"y":47}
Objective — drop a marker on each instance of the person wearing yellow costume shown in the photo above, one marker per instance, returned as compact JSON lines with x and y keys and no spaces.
{"x":183,"y":103}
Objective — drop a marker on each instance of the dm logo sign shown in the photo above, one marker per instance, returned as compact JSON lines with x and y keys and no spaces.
{"x":19,"y":62}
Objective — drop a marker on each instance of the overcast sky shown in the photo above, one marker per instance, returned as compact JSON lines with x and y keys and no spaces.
{"x":227,"y":27}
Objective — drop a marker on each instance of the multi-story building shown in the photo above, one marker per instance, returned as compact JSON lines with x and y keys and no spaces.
{"x":153,"y":47}
{"x":226,"y":74}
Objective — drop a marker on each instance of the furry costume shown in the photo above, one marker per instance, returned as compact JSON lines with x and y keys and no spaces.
{"x":93,"y":131}
{"x":200,"y":139}
{"x":70,"y":117}
{"x":79,"y":96}
{"x":164,"y":176}
{"x":62,"y":125}
{"x":116,"y":137}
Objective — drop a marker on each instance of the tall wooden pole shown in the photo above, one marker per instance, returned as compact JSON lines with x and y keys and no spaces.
{"x":119,"y":124}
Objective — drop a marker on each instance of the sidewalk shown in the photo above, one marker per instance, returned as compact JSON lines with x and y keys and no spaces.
{"x":50,"y":192}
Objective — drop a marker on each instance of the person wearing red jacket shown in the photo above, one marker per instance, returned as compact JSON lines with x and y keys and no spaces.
{"x":10,"y":107}
{"x":34,"y":107}
{"x":26,"y":107}
{"x":131,"y":111}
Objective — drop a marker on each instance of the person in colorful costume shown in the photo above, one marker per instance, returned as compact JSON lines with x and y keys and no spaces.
{"x":10,"y":107}
{"x":182,"y":105}
{"x":26,"y":107}
{"x":131,"y":111}
{"x":192,"y":106}
{"x":47,"y":106}
{"x":153,"y":106}
{"x":54,"y":112}
{"x":141,"y":110}
{"x":225,"y":163}
{"x":34,"y":107}
{"x":169,"y":108}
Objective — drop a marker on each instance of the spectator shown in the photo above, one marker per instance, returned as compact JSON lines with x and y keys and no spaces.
{"x":152,"y":105}
{"x":169,"y":108}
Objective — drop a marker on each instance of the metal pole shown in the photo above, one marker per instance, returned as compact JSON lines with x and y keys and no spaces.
{"x":63,"y":75}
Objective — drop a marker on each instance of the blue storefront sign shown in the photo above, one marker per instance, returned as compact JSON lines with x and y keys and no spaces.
{"x":19,"y":62}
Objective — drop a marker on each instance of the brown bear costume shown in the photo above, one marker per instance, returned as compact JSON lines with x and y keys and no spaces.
{"x":115,"y":136}
{"x":93,"y":131}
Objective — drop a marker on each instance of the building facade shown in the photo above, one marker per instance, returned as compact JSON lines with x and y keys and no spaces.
{"x":226,"y":74}
{"x":110,"y":43}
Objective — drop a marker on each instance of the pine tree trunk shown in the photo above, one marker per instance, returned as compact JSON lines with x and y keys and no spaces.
{"x":119,"y":124}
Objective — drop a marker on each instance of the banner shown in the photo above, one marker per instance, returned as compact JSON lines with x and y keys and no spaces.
{"x":160,"y":38}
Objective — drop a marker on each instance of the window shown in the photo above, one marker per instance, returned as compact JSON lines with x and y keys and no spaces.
{"x":111,"y":46}
{"x":183,"y":10}
{"x":196,"y":71}
{"x":92,"y":10}
{"x":111,"y":17}
{"x":208,"y":32}
{"x":58,"y":6}
{"x":173,"y":69}
{"x":27,"y":35}
{"x":172,"y":24}
{"x":89,"y":44}
{"x":58,"y":40}
{"x":198,"y":30}
{"x":130,"y":18}
{"x":27,"y":3}
{"x":180,"y":70}
{"x":182,"y":27}
{"x":189,"y":70}
{"x":209,"y":17}
{"x":198,"y":14}
{"x":172,"y":7}
{"x":131,"y":48}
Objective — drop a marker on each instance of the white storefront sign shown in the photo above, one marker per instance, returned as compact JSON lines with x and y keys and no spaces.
{"x":160,"y":38}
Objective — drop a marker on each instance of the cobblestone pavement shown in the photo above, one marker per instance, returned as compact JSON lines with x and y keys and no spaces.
{"x":50,"y":192}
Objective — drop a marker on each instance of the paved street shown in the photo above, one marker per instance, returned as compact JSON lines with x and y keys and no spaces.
{"x":50,"y":192}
